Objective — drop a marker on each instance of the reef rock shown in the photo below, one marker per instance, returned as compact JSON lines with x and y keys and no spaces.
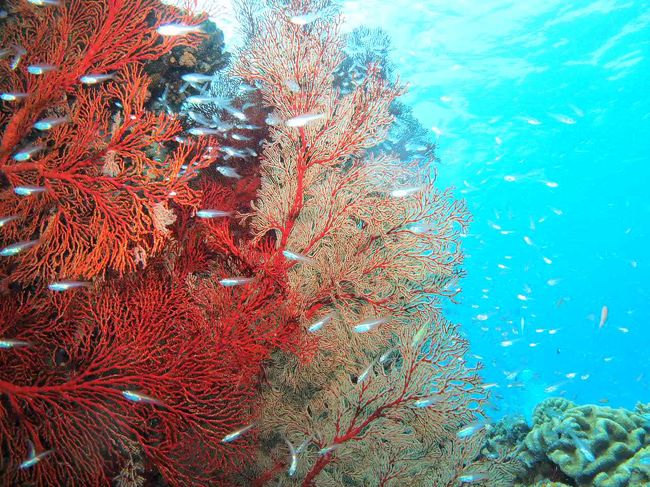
{"x":593,"y":445}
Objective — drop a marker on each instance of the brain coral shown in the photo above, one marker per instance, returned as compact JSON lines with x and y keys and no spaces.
{"x":595,"y":446}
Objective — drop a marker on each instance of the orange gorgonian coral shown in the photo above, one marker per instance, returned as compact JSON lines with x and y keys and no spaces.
{"x":65,"y":392}
{"x":93,"y":191}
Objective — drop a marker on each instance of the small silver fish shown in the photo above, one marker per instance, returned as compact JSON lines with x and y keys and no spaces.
{"x":362,"y":376}
{"x":236,"y":434}
{"x":370,"y":324}
{"x":197,"y":78}
{"x":240,"y":137}
{"x":50,"y":122}
{"x":419,"y":335}
{"x":6,"y":219}
{"x":294,"y":459}
{"x":33,"y":458}
{"x":244,"y":88}
{"x":135,"y":396}
{"x":224,"y":127}
{"x":199,"y":131}
{"x":238,"y":114}
{"x":426,"y":401}
{"x":329,"y":449}
{"x":94,"y":78}
{"x":213,"y":213}
{"x":178,"y":29}
{"x":6,"y":343}
{"x":45,"y":3}
{"x":302,"y":120}
{"x":321,"y":322}
{"x":60,"y":286}
{"x":604,"y":314}
{"x":16,"y":248}
{"x":294,"y":452}
{"x":26,"y":153}
{"x":228,"y":172}
{"x":232,"y":152}
{"x":235,"y":281}
{"x":403,"y":192}
{"x":272,"y":120}
{"x":384,"y":356}
{"x":292,"y":85}
{"x":19,"y":52}
{"x":199,"y":118}
{"x":582,"y":446}
{"x":297,"y":257}
{"x":470,"y":429}
{"x":3,"y":14}
{"x":29,"y":190}
{"x":204,"y":99}
{"x":42,"y":68}
{"x":472,"y":477}
{"x":14,"y":96}
{"x":304,"y":19}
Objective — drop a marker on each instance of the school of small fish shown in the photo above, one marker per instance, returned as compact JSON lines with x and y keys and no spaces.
{"x":512,"y":329}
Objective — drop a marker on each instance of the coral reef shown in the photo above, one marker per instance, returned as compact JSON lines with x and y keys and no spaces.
{"x":579,"y":446}
{"x":194,"y":309}
{"x":88,"y":191}
{"x":381,"y":402}
{"x":593,"y":445}
{"x":142,"y":334}
{"x":501,"y":437}
{"x":144,"y":375}
{"x":642,"y":408}
{"x":165,"y":73}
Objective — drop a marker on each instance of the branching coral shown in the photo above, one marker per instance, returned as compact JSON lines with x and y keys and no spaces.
{"x":179,"y":337}
{"x":311,"y":314}
{"x":102,"y":193}
{"x":101,"y":180}
{"x":377,"y":241}
{"x":145,"y":335}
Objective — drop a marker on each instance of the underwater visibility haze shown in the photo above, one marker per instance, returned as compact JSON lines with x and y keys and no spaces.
{"x":324,"y":243}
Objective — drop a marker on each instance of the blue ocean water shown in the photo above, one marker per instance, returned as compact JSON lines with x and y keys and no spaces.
{"x":542,"y":116}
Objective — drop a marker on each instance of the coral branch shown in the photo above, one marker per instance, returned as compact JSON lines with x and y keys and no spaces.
{"x":107,"y":175}
{"x":147,"y":336}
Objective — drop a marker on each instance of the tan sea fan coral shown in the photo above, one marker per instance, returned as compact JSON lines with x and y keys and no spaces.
{"x":372,"y":246}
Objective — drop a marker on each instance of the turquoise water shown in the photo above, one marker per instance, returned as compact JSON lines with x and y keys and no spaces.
{"x":554,"y":96}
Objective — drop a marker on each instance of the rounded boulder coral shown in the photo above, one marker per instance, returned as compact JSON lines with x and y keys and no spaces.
{"x":593,"y":445}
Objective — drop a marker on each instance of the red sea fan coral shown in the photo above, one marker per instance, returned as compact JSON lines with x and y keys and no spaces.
{"x":64,"y":392}
{"x":99,"y":195}
{"x":77,"y":38}
{"x":95,"y":192}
